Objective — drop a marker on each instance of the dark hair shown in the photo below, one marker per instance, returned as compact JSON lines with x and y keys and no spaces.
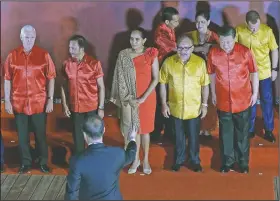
{"x":80,"y":39}
{"x":252,"y":16}
{"x":227,"y":31}
{"x":204,"y":14}
{"x":93,"y":126}
{"x":143,"y":32}
{"x":168,"y":12}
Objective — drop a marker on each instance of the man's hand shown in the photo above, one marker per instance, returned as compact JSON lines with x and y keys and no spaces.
{"x":100,"y":113}
{"x":49,"y":107}
{"x":66,"y":111}
{"x":203,"y":111}
{"x":214,"y":99}
{"x":132,"y":135}
{"x":254,"y":98}
{"x":165,"y":110}
{"x":140,"y":100}
{"x":273,"y":75}
{"x":8,"y":107}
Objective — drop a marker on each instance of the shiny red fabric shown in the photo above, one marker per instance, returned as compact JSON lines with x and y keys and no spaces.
{"x":29,"y":75}
{"x":165,"y":40}
{"x":233,"y":86}
{"x":82,"y":83}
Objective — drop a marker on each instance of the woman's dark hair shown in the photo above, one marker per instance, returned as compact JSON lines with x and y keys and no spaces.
{"x":204,"y":14}
{"x":143,"y":32}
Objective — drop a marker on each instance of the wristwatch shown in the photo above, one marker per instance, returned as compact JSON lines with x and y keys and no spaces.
{"x":101,"y":108}
{"x":275,"y":69}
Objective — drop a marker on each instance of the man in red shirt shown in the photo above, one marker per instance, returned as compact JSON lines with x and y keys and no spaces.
{"x":85,"y":88}
{"x":230,"y":67}
{"x":29,"y":74}
{"x":165,"y":41}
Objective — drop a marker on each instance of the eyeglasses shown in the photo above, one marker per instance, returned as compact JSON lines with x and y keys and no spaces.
{"x":184,"y":48}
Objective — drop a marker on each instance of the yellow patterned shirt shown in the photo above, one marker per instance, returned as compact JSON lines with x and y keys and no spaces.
{"x":261,"y":43}
{"x":184,"y":84}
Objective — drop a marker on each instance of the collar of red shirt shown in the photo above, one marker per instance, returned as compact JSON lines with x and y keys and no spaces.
{"x":21,"y":50}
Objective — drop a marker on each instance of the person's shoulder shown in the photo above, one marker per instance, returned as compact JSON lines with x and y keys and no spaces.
{"x":91,"y":60}
{"x":197,"y":59}
{"x":242,"y":48}
{"x":265,"y":28}
{"x":241,"y":27}
{"x":41,"y":50}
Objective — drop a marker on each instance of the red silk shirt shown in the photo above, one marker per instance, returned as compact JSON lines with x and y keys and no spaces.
{"x":233,"y":86}
{"x":82,"y":83}
{"x":165,"y":40}
{"x":28,"y":75}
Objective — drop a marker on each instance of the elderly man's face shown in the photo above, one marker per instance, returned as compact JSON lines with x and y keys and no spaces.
{"x":184,"y":49}
{"x":28,"y":40}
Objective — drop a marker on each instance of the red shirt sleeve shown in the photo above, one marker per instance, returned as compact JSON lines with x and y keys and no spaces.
{"x":98,"y":70}
{"x":210,"y":66}
{"x":50,"y":73}
{"x":7,"y":68}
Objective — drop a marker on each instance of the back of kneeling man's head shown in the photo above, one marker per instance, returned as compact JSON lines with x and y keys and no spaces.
{"x":93,"y":129}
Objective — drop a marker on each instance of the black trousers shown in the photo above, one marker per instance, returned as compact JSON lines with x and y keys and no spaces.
{"x":234,"y":137}
{"x":23,"y":124}
{"x":191,"y":127}
{"x":160,"y":121}
{"x":78,"y":136}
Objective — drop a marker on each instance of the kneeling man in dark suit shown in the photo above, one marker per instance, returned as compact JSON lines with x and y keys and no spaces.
{"x":94,"y":173}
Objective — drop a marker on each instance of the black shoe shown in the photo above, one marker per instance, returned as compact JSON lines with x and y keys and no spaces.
{"x":2,"y":168}
{"x":252,"y":134}
{"x":176,"y":167}
{"x":226,"y":169}
{"x":269,"y":136}
{"x":195,"y":167}
{"x":24,"y":169}
{"x":244,"y":170}
{"x":155,"y":137}
{"x":44,"y":168}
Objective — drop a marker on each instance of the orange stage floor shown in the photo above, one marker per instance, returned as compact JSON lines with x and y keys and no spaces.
{"x":162,"y":183}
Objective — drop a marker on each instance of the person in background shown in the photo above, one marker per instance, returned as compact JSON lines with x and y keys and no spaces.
{"x":188,"y":85}
{"x":261,"y":41}
{"x":82,"y":90}
{"x":165,"y":42}
{"x":135,"y":78}
{"x":231,"y":67}
{"x":203,"y":40}
{"x":29,"y":74}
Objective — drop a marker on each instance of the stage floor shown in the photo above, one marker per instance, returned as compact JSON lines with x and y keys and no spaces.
{"x":163,"y":183}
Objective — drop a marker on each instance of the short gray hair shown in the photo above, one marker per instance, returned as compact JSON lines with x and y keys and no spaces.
{"x":93,"y":126}
{"x":26,"y":28}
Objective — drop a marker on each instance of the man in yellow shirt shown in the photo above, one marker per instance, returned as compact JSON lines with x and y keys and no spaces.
{"x":260,"y":39}
{"x":187,"y":78}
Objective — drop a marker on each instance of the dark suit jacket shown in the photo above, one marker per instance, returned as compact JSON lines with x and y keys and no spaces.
{"x":94,"y":174}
